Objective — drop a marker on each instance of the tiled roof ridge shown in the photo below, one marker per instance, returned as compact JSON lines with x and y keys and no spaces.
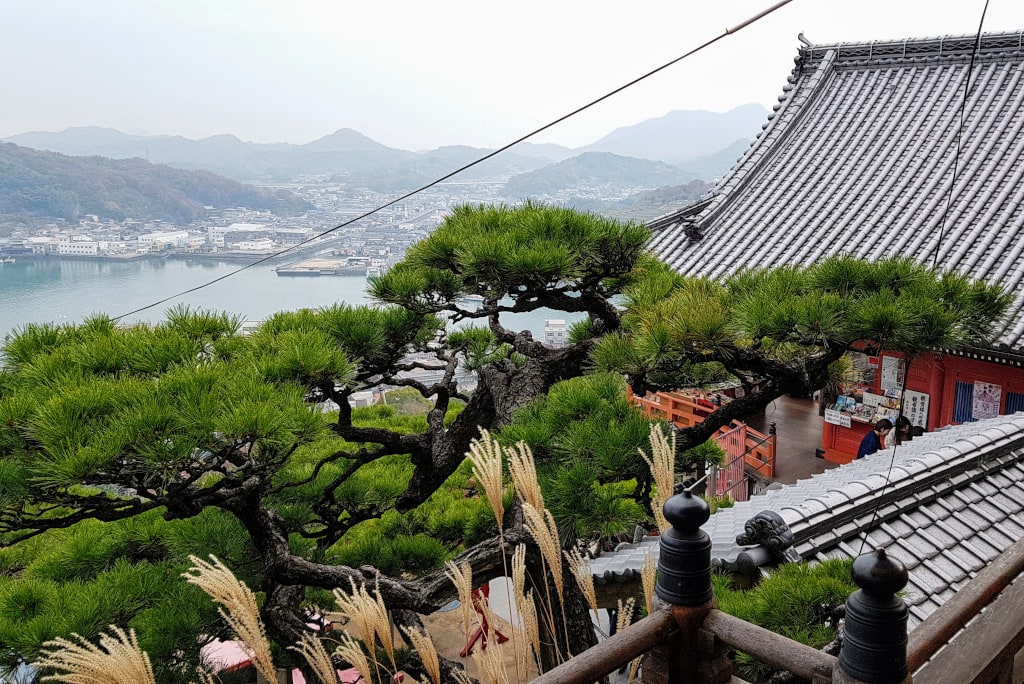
{"x":893,"y":501}
{"x":884,"y":51}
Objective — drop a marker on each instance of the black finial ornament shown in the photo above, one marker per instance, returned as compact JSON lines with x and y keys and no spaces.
{"x":875,"y":634}
{"x":684,"y":566}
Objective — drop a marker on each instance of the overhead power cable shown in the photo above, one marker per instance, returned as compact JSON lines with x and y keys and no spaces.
{"x":935,"y":260}
{"x":616,"y":91}
{"x":959,"y":136}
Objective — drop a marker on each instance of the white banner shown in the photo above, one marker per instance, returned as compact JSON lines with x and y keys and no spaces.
{"x":915,"y":407}
{"x":837,"y":417}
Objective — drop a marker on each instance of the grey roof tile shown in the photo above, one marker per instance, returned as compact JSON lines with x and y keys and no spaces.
{"x":945,"y":532}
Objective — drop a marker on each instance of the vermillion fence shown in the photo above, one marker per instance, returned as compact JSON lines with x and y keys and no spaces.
{"x":684,"y":410}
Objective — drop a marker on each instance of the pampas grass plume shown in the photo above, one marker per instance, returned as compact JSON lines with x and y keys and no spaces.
{"x":544,"y":531}
{"x":369,"y":615}
{"x":485,"y":455}
{"x":239,"y":608}
{"x":580,"y":567}
{"x":422,"y":644}
{"x":117,"y":660}
{"x":312,"y":649}
{"x":462,"y":577}
{"x":649,"y":577}
{"x":662,"y":463}
{"x":524,"y":475}
{"x":352,"y":653}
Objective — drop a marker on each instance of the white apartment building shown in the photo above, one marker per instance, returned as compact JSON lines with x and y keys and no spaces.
{"x":217,"y":233}
{"x":555,"y":332}
{"x":78,"y":248}
{"x":175,"y":238}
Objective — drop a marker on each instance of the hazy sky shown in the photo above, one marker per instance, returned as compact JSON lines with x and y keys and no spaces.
{"x":418,"y":75}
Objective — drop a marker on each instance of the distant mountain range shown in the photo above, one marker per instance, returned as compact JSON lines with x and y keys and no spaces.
{"x":678,"y":138}
{"x":668,"y":151}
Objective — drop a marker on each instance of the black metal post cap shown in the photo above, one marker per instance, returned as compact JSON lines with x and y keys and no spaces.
{"x":878,"y":574}
{"x":686,"y":512}
{"x":684,"y":562}
{"x":875,"y":630}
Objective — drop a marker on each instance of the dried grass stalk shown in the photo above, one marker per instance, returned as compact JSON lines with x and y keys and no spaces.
{"x":490,"y":663}
{"x":238,"y":609}
{"x":485,"y":455}
{"x":352,"y":653}
{"x":633,"y":668}
{"x":531,"y":627}
{"x":524,"y":475}
{"x":369,"y":615}
{"x":649,"y":577}
{"x":542,"y":528}
{"x":625,"y":617}
{"x":462,"y":577}
{"x":580,"y":567}
{"x":662,"y":463}
{"x":519,"y":571}
{"x":422,"y":644}
{"x":116,"y":660}
{"x":312,"y":649}
{"x":461,"y":677}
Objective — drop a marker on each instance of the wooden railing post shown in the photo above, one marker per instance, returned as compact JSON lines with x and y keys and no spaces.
{"x":684,"y":588}
{"x":874,"y":647}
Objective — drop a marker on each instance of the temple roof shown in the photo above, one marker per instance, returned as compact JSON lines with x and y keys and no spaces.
{"x":859,"y":157}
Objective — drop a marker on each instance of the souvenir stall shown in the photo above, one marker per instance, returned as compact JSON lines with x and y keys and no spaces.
{"x":878,"y":394}
{"x":942,"y":388}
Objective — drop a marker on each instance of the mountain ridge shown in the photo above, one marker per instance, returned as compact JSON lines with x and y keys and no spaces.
{"x":676,"y":138}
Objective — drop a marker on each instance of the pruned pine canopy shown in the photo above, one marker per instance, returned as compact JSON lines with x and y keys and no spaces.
{"x":123,"y":450}
{"x":517,"y":259}
{"x":761,"y":322}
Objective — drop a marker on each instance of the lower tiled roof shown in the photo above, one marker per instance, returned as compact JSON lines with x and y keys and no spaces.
{"x":945,"y":504}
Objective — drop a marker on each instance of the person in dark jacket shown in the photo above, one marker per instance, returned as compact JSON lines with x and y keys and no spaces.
{"x":875,"y":440}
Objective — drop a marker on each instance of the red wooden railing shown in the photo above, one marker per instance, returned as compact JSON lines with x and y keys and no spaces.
{"x":686,"y":410}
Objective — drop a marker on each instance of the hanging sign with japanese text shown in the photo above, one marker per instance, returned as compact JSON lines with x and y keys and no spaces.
{"x":987,"y":397}
{"x":837,"y":417}
{"x":892,"y":373}
{"x":915,"y":407}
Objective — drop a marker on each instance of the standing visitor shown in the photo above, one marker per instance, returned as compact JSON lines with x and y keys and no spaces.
{"x":875,"y":440}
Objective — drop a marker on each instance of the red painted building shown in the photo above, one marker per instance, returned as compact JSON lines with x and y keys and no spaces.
{"x":942,"y":388}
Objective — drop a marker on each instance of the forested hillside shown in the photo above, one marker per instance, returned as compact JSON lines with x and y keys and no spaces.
{"x":596,"y":169}
{"x":35,"y":183}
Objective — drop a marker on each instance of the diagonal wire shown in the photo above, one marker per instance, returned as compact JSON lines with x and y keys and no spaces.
{"x":616,"y":91}
{"x":959,"y":136}
{"x":935,"y":260}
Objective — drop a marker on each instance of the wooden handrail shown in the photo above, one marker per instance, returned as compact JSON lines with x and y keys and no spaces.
{"x":769,"y":647}
{"x":613,"y":652}
{"x":985,"y":648}
{"x":932,"y":634}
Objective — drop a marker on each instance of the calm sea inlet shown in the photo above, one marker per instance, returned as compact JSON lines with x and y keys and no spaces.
{"x":65,"y":291}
